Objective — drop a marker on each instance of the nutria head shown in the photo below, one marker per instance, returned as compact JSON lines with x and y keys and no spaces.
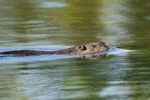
{"x":94,"y":47}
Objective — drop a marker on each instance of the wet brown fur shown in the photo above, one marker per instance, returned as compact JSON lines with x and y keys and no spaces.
{"x":89,"y":48}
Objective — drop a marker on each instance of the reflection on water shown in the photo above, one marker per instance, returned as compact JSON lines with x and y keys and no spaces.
{"x":39,"y":24}
{"x":53,"y":4}
{"x":115,"y":21}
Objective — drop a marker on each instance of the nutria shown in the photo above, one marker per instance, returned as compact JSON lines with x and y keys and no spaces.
{"x":89,"y":48}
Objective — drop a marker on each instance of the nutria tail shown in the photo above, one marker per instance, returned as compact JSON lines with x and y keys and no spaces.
{"x":24,"y":52}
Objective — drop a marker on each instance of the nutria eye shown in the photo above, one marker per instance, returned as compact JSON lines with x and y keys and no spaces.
{"x":82,"y":47}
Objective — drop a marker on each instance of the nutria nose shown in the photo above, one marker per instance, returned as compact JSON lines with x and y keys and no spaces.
{"x":94,"y":46}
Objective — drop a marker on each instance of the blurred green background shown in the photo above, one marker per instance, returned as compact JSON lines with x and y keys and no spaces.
{"x":120,"y":23}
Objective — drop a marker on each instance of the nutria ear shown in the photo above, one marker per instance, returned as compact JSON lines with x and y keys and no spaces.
{"x":82,"y":47}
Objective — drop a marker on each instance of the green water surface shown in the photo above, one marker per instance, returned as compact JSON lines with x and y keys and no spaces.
{"x":120,"y":23}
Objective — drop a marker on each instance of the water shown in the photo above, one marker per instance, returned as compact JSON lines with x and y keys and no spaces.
{"x":46,"y":25}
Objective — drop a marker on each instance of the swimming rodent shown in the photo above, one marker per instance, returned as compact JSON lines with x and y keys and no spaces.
{"x":89,"y":48}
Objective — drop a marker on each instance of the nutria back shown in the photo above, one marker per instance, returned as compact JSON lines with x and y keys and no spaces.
{"x":94,"y":47}
{"x":85,"y":48}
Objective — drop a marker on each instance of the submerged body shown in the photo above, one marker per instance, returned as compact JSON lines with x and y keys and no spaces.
{"x":89,"y":48}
